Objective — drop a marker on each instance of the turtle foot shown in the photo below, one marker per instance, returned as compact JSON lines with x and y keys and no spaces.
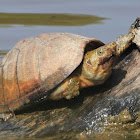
{"x":73,"y":88}
{"x":6,"y":116}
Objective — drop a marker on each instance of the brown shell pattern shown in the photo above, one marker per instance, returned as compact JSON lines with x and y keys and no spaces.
{"x":38,"y":64}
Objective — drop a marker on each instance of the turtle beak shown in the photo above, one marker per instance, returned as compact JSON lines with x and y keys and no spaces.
{"x":109,"y":57}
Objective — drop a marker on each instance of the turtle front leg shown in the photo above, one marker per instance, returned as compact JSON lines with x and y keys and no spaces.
{"x":67,"y":89}
{"x":72,"y":88}
{"x":7,"y":115}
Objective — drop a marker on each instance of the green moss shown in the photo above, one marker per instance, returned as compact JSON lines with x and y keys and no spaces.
{"x":48,"y":19}
{"x":124,"y":116}
{"x":3,"y":52}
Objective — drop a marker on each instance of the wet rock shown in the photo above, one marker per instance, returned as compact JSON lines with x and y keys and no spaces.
{"x":123,"y":117}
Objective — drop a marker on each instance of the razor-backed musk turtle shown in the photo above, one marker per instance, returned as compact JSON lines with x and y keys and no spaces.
{"x":55,"y":66}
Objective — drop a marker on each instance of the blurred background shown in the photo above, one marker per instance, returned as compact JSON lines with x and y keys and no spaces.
{"x":102,"y":19}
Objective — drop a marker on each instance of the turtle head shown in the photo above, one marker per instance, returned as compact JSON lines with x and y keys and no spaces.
{"x":98,"y":63}
{"x":123,"y":42}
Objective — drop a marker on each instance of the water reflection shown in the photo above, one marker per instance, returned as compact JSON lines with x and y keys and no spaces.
{"x":7,"y":19}
{"x":3,"y":53}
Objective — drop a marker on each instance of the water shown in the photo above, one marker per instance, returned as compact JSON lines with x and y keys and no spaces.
{"x":120,"y":15}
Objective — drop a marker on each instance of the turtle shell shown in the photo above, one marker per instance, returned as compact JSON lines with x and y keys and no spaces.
{"x":38,"y":64}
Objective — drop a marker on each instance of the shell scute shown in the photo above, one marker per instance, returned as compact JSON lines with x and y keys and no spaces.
{"x":58,"y":54}
{"x":28,"y":67}
{"x":22,"y":43}
{"x":9,"y":78}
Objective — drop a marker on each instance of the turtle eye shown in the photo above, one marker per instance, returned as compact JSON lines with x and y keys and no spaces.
{"x":100,"y":51}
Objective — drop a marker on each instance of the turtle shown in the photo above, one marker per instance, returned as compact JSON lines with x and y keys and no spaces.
{"x":55,"y":66}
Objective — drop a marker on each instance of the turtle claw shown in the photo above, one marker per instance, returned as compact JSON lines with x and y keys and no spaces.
{"x":71,"y":95}
{"x":5,"y":117}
